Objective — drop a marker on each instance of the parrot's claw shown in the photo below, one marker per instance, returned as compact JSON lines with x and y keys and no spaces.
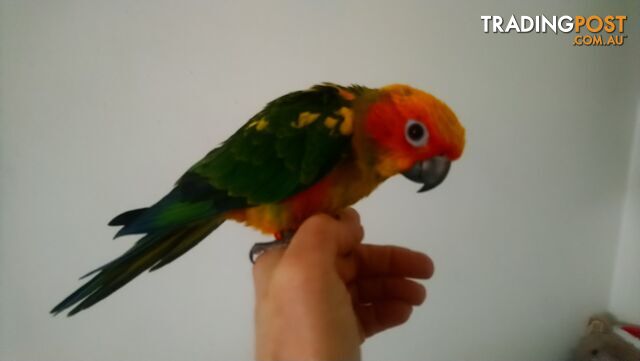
{"x":259,"y":248}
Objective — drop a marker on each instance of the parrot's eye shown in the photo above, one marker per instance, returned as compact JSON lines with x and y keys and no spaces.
{"x":416,"y":133}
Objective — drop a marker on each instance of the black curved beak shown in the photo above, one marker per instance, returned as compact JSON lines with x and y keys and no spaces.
{"x":429,"y":172}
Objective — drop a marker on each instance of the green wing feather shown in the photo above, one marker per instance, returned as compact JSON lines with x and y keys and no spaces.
{"x":267,"y":160}
{"x":273,"y":156}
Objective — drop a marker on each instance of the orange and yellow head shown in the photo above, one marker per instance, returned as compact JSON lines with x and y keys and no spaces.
{"x":414,"y":133}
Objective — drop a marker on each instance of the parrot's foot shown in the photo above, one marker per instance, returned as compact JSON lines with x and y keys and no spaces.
{"x":281,"y":241}
{"x":260,"y":248}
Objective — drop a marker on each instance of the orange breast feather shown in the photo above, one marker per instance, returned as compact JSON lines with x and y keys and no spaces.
{"x":342,"y":187}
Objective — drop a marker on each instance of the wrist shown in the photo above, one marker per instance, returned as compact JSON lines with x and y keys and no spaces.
{"x":279,"y":336}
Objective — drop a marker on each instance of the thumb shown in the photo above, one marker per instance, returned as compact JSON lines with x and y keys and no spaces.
{"x":263,"y":269}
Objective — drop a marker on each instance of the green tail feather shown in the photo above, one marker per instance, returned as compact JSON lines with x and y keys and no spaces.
{"x":151,"y":252}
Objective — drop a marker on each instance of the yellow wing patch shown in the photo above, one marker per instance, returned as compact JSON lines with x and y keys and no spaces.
{"x":259,"y":124}
{"x":346,"y":127}
{"x":305,"y":118}
{"x":330,"y":122}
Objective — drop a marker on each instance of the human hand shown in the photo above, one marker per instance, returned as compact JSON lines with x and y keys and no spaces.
{"x":322,"y":296}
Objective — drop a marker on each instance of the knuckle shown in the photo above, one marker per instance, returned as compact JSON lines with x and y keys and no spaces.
{"x":359,"y":234}
{"x":353,"y":214}
{"x":317,"y":224}
{"x":406,"y":315}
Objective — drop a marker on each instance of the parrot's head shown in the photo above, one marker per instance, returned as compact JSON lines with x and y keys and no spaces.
{"x":413,"y":133}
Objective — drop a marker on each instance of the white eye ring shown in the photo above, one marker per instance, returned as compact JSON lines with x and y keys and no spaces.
{"x":416,"y":133}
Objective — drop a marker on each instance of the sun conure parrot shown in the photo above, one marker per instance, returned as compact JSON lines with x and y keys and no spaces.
{"x":310,"y":151}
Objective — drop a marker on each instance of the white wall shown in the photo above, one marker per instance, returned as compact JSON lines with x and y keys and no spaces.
{"x":104,"y":104}
{"x":625,"y":291}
